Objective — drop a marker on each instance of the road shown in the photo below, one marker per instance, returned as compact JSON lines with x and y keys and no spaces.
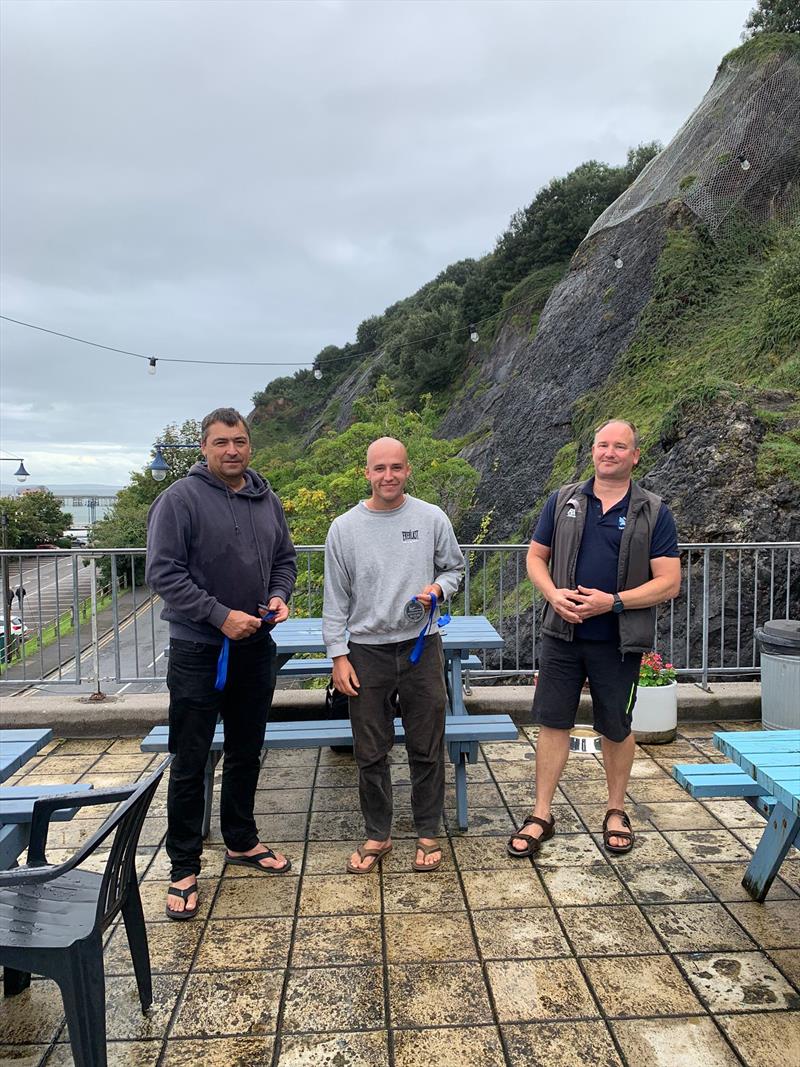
{"x":47,"y":581}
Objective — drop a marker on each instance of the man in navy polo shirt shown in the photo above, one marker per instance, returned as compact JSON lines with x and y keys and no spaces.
{"x":603,"y":554}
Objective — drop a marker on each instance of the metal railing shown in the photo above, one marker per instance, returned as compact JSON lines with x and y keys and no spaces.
{"x":92,"y":621}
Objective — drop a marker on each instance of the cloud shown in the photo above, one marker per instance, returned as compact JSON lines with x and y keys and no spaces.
{"x":250,"y":181}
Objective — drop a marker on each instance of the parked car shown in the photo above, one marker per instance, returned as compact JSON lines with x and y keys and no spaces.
{"x":18,"y":627}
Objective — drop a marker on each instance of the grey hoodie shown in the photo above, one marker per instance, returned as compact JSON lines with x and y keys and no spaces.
{"x":210,"y":551}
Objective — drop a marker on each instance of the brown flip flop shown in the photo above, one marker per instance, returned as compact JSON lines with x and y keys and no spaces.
{"x":427,"y":850}
{"x":364,"y":853}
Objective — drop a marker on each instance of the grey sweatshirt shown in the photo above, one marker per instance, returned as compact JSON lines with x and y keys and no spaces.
{"x":210,"y":550}
{"x":375,"y":561}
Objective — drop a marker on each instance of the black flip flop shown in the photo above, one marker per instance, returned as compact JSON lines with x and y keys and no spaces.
{"x":184,"y":894}
{"x":548,"y":829}
{"x":627,"y":835}
{"x":254,"y":861}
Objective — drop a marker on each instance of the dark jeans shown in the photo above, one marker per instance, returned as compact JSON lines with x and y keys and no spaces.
{"x":423,"y":699}
{"x":194,"y":706}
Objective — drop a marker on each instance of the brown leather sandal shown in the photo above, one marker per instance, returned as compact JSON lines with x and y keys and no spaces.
{"x":548,"y":829}
{"x":364,"y":853}
{"x":628,"y":835}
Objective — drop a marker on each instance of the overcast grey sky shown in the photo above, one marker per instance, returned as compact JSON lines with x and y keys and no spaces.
{"x":226,"y":180}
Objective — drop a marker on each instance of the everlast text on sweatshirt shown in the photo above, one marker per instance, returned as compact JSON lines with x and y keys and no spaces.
{"x":375,"y":561}
{"x":210,"y":551}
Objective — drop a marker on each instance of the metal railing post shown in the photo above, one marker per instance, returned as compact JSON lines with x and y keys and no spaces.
{"x":98,"y":693}
{"x":704,"y":640}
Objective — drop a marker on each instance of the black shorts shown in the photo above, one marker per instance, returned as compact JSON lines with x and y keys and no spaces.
{"x":563,"y":668}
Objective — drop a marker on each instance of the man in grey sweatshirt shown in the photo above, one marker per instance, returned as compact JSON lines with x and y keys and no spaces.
{"x":383,"y":561}
{"x":220,"y":556}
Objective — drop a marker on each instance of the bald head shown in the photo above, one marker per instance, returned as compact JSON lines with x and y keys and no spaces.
{"x":387,"y":472}
{"x":389,"y":449}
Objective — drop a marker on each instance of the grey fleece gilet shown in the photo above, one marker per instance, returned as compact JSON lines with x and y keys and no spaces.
{"x":636,"y":625}
{"x":375,"y":561}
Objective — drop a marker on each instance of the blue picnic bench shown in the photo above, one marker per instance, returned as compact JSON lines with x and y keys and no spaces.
{"x":463,"y":732}
{"x":766,"y":773}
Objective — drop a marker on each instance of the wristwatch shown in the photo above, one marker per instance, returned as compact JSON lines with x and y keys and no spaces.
{"x":618,"y":607}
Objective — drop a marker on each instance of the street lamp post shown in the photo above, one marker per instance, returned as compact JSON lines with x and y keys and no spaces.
{"x":21,"y":475}
{"x":159,"y":468}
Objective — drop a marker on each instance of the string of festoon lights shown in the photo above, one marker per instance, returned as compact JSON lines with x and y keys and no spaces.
{"x":153,"y":361}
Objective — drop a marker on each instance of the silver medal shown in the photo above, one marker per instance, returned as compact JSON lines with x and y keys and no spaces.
{"x":414,"y":612}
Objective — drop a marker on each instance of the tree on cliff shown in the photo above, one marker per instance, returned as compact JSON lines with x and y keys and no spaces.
{"x":773,"y":16}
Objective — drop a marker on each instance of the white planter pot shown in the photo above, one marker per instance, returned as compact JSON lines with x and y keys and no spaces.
{"x":655,"y":713}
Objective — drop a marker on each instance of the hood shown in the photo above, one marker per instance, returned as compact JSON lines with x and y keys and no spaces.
{"x":255,"y":486}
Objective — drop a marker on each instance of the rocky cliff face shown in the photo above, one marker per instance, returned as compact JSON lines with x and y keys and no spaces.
{"x":738,"y":155}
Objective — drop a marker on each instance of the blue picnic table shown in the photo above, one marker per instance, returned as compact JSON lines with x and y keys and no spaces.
{"x":463,"y":732}
{"x":766,"y":773}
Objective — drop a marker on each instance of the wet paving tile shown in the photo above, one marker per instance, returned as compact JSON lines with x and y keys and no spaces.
{"x":120,"y":1054}
{"x":658,"y":790}
{"x":596,"y":884}
{"x":336,"y":799}
{"x":293,"y":778}
{"x":291,"y":757}
{"x":528,"y":990}
{"x":725,"y":881}
{"x":734,"y":813}
{"x":698,"y":928}
{"x":739,"y":981}
{"x":665,"y":883}
{"x":574,"y":1044}
{"x":334,"y":998}
{"x":329,"y":942}
{"x":422,"y":892}
{"x":589,"y":794}
{"x":483,"y":821}
{"x":429,"y":937}
{"x":33,"y":1016}
{"x":515,"y":888}
{"x":453,"y":1046}
{"x":519,"y":933}
{"x":260,"y":895}
{"x":773,"y":924}
{"x":21,"y":1055}
{"x":367,"y":1049}
{"x":765,"y":1039}
{"x":437,"y":994}
{"x":788,"y":960}
{"x":581,"y":768}
{"x":609,"y":931}
{"x":571,"y":850}
{"x":171,"y":946}
{"x":219,"y":1052}
{"x":124,"y":1018}
{"x":338,"y":826}
{"x":212,"y":864}
{"x":486,"y":854}
{"x":750,"y":836}
{"x":508,"y":750}
{"x":678,"y":815}
{"x":647,"y":768}
{"x":241,"y":944}
{"x":281,"y":801}
{"x":648,"y":847}
{"x":513,"y":771}
{"x":673,"y":1042}
{"x":631,"y":986}
{"x":219,"y":1004}
{"x":343,"y":894}
{"x":707,"y":846}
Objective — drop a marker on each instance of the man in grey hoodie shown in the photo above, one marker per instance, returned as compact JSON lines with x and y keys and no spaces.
{"x":220,"y":556}
{"x":383,"y":561}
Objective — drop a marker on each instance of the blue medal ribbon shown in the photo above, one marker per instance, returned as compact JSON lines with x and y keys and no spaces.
{"x":418,"y":648}
{"x":222,"y":664}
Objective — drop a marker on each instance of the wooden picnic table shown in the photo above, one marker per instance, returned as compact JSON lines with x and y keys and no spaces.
{"x":772,"y":759}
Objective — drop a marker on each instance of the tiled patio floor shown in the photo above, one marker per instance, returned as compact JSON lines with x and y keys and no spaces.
{"x":657,"y":958}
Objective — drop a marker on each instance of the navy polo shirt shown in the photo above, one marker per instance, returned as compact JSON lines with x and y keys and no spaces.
{"x":598,"y":555}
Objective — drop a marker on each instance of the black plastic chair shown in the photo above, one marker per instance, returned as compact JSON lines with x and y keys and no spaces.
{"x":52,"y":917}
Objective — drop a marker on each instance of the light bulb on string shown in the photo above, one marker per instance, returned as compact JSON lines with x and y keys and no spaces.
{"x":317,"y":373}
{"x":744,"y":162}
{"x":474,"y":336}
{"x":151,"y":365}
